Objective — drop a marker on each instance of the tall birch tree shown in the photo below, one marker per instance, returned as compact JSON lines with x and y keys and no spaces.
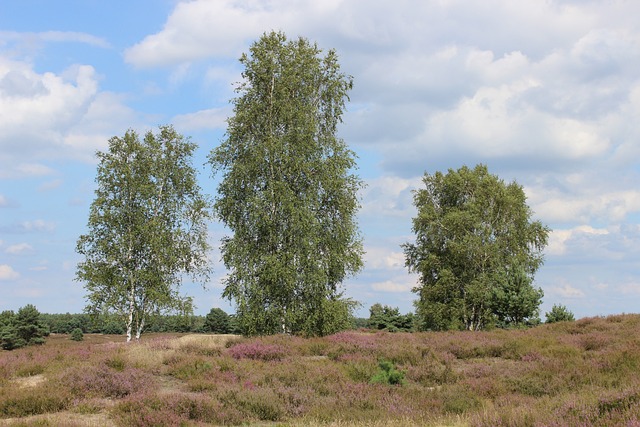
{"x":146,"y":229}
{"x":288,"y":193}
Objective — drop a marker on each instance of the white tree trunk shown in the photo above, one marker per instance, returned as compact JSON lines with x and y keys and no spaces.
{"x":131,"y":308}
{"x":139,"y":330}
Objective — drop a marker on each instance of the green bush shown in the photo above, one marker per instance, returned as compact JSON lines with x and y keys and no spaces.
{"x":388,"y":374}
{"x":559,"y":313}
{"x":77,"y":335}
{"x":217,"y":322}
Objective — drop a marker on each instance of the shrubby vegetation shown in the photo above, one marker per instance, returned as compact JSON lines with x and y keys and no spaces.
{"x":583,"y":373}
{"x":389,"y":319}
{"x":559,"y":313}
{"x":77,"y":335}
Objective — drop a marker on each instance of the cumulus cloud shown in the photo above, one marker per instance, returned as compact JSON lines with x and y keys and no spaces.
{"x":47,"y":116}
{"x":36,"y":110}
{"x":7,"y":273}
{"x":559,"y":239}
{"x":584,"y":198}
{"x":443,"y":82}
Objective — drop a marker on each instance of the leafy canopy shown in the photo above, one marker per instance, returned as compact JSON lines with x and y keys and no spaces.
{"x":146,"y":228}
{"x":287,"y":193}
{"x":476,"y":251}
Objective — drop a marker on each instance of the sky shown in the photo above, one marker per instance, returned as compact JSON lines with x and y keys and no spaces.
{"x":546,"y":93}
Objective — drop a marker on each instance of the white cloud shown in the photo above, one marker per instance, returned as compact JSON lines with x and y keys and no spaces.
{"x":36,"y":110}
{"x":20,"y":249}
{"x":558,"y":238}
{"x":8,"y":273}
{"x":568,"y":291}
{"x":53,"y":36}
{"x":214,"y":118}
{"x":46,"y":117}
{"x":381,"y":257}
{"x":398,"y":285}
{"x":389,"y":196}
{"x":187,"y":34}
{"x":4,"y":202}
{"x":584,"y":203}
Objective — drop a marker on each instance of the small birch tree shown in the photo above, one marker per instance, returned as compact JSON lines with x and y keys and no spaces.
{"x":146,"y":228}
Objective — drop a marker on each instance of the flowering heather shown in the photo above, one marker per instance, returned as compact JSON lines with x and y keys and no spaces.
{"x":257,"y":351}
{"x":103,"y":381}
{"x":583,"y":373}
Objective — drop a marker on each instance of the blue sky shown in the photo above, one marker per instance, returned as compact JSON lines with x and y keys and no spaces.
{"x":544,"y":93}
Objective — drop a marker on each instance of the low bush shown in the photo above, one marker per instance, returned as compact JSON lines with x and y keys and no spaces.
{"x":18,"y":402}
{"x":77,"y":335}
{"x":388,"y":374}
{"x":102,"y":381}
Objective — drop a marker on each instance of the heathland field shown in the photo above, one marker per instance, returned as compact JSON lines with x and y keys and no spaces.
{"x":564,"y":374}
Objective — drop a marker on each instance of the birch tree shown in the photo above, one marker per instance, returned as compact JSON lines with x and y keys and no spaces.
{"x":474,"y":238}
{"x":288,"y":193}
{"x":146,"y":228}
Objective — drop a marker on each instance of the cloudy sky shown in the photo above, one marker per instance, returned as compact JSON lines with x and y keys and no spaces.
{"x":546,"y":93}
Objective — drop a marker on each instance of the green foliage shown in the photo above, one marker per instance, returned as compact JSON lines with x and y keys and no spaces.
{"x":65,"y":323}
{"x":473,"y":232}
{"x":388,"y":374}
{"x":287,"y":192}
{"x":515,"y":301}
{"x":559,"y":313}
{"x":77,"y":335}
{"x":22,"y":328}
{"x":146,"y":228}
{"x":217,"y":322}
{"x":389,"y":319}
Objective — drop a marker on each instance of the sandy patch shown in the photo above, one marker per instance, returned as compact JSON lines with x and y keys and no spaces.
{"x":28,"y":382}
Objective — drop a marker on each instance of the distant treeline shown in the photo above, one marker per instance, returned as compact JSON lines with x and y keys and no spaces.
{"x":217,"y":321}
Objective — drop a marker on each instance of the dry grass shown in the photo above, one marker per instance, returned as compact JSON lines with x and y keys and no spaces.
{"x":580,"y":373}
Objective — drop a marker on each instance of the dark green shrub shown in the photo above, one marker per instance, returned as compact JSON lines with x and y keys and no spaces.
{"x":217,"y":322}
{"x":77,"y":335}
{"x":22,"y":329}
{"x":559,"y":313}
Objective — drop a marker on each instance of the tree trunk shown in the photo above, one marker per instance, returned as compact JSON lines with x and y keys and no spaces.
{"x":131,"y":309}
{"x":139,"y":330}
